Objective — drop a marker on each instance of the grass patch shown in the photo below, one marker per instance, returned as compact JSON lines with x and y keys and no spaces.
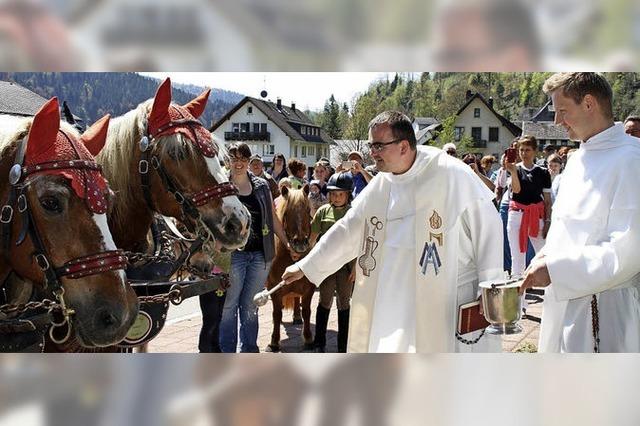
{"x":526,"y":347}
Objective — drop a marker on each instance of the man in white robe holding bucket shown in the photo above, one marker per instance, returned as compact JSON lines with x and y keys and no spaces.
{"x":424,"y":232}
{"x":590,"y":261}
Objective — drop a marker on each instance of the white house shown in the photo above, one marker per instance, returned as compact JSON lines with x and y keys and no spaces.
{"x":270,"y":128}
{"x":491,"y":132}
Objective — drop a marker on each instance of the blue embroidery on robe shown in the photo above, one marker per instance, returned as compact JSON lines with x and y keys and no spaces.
{"x":430,"y":256}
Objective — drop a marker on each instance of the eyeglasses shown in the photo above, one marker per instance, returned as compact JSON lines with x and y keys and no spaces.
{"x":238,"y":160}
{"x":379,"y":146}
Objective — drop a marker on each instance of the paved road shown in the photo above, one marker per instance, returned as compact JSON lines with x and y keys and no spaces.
{"x":180,"y":333}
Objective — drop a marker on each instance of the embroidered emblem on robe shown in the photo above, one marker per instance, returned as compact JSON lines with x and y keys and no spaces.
{"x":430,"y":256}
{"x":435,"y":220}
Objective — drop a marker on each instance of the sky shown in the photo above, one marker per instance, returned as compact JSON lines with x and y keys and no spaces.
{"x":308,"y":90}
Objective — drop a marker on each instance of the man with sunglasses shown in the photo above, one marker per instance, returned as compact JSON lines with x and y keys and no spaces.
{"x":424,"y":233}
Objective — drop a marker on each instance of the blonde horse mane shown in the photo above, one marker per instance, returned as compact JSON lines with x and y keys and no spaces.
{"x":121,"y":147}
{"x":13,"y":127}
{"x":295,"y":198}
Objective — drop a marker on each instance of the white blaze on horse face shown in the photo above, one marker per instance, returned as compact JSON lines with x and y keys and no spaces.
{"x":230,"y":205}
{"x":101,"y":222}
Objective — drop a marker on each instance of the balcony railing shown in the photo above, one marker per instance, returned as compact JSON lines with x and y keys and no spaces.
{"x":479,"y":143}
{"x":247,"y":136}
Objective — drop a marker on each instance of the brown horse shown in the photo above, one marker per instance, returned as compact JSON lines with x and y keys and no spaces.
{"x":296,"y":220}
{"x":55,"y":239}
{"x":159,"y":158}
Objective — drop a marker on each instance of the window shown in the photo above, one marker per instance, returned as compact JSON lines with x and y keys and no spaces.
{"x":256,"y":127}
{"x":476,"y":133}
{"x":244,"y":127}
{"x":303,"y":130}
{"x":235,"y":127}
{"x":250,"y":110}
{"x":295,"y":151}
{"x":311,"y":150}
{"x":263,"y":127}
{"x":494,"y":134}
{"x":268,"y":149}
{"x":304,"y":151}
{"x":458,"y":132}
{"x":476,"y":112}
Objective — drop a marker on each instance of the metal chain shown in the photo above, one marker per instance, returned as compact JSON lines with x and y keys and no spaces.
{"x":595,"y":324}
{"x":21,"y":308}
{"x":470,"y":342}
{"x":174,"y":296}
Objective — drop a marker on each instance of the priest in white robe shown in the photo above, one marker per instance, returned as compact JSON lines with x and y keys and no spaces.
{"x":424,"y":232}
{"x":590,"y":260}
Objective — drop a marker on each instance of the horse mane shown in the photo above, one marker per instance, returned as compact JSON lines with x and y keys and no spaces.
{"x":296,"y":202}
{"x":121,"y":148}
{"x":13,"y":128}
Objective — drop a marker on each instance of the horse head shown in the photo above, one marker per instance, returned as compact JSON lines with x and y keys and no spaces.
{"x":179,"y":172}
{"x":54,"y":224}
{"x":294,"y":213}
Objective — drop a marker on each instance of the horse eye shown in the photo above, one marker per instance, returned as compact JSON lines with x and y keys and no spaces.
{"x":51,"y":204}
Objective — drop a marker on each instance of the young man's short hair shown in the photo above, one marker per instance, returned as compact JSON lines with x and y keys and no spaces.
{"x":576,"y":85}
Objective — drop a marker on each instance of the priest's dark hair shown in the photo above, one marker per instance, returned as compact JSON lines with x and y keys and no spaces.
{"x":399,"y":123}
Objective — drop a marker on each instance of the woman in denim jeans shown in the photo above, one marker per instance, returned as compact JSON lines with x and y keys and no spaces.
{"x":250,"y":266}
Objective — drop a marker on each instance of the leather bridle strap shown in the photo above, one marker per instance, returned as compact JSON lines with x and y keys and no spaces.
{"x":6,"y":214}
{"x":214,"y":192}
{"x":189,"y":204}
{"x":93,"y":264}
{"x":75,"y":268}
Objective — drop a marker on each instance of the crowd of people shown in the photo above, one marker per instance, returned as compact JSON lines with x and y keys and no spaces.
{"x":413,"y":247}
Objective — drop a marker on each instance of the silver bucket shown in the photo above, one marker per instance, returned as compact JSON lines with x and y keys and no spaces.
{"x":502,"y":305}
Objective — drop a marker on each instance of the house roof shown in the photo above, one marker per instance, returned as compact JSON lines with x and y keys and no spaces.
{"x":18,"y":100}
{"x":429,"y":133}
{"x":544,"y":114}
{"x":287,"y":119}
{"x":424,"y":121}
{"x":544,"y":130}
{"x":515,"y":130}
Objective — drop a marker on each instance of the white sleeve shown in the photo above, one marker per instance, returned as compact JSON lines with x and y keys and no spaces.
{"x":482,"y":228}
{"x":582,"y":271}
{"x":339,"y":245}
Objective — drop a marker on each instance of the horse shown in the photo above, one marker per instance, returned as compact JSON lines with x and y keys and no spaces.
{"x":294,"y":213}
{"x":55,"y":240}
{"x":159,"y":158}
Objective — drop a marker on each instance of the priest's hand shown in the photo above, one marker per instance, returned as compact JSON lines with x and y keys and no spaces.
{"x":291,"y":274}
{"x":536,"y":275}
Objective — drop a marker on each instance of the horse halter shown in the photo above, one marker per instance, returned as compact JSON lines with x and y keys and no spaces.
{"x":189,"y":203}
{"x":75,"y":268}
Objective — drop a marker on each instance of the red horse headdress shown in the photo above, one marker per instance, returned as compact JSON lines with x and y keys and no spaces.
{"x":53,"y":151}
{"x":168,"y":119}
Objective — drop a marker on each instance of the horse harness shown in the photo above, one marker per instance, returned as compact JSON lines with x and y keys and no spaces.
{"x":17,"y":202}
{"x":189,"y":203}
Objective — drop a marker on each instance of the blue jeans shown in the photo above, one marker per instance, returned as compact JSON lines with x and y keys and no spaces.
{"x":249,"y":272}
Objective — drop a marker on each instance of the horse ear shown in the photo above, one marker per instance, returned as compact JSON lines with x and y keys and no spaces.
{"x":284,"y":192}
{"x":305,"y":189}
{"x":196,"y":106}
{"x":96,"y":136}
{"x":44,"y":129}
{"x":161,"y":101}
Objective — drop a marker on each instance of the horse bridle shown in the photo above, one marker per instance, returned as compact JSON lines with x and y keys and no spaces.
{"x":188,"y":203}
{"x":79,"y":267}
